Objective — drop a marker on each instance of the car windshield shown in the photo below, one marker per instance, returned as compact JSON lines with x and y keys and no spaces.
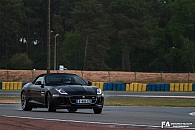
{"x":64,"y":79}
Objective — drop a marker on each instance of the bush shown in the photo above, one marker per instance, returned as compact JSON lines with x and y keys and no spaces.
{"x":21,"y":61}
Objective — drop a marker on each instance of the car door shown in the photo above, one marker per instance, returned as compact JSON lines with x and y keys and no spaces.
{"x":38,"y":91}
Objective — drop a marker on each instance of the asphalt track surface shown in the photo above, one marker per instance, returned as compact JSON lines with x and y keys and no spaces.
{"x":116,"y":115}
{"x":129,"y":116}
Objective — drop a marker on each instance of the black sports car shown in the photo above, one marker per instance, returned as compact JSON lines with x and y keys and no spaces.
{"x":61,"y":91}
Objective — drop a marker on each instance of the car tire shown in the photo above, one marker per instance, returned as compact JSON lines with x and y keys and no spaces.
{"x":50,"y":105}
{"x":97,"y":110}
{"x":72,"y":110}
{"x":24,"y":102}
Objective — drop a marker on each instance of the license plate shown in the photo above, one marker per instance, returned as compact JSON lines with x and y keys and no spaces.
{"x":83,"y":101}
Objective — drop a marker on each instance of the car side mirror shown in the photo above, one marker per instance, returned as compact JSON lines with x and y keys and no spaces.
{"x":89,"y":83}
{"x":38,"y":83}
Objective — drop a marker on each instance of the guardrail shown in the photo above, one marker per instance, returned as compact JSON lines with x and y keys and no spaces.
{"x":118,"y":86}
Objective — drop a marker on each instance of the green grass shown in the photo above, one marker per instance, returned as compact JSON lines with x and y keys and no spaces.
{"x":9,"y":98}
{"x":125,"y":101}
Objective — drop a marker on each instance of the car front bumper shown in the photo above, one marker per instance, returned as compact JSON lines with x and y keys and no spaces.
{"x":67,"y":102}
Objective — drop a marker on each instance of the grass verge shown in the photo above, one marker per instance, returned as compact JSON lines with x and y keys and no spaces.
{"x":125,"y":101}
{"x":9,"y":99}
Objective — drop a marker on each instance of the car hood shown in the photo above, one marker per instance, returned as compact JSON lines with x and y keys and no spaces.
{"x":79,"y":89}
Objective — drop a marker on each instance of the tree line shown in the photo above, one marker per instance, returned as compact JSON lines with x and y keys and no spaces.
{"x":124,"y":35}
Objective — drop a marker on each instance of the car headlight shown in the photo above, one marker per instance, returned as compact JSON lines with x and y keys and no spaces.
{"x":61,"y":91}
{"x":99,"y":91}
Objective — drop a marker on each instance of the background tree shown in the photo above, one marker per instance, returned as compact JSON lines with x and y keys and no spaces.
{"x":134,"y":24}
{"x":11,"y":16}
{"x":21,"y":61}
{"x":182,"y":33}
{"x":73,"y":57}
{"x":128,"y":35}
{"x":89,"y":19}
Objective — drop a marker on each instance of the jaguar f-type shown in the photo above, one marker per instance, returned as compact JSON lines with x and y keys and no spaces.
{"x":61,"y":91}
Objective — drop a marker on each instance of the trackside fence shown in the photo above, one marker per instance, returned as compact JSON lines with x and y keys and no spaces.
{"x":103,"y":76}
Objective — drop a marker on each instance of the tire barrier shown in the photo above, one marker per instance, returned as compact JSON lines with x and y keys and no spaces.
{"x":114,"y":86}
{"x":181,"y":87}
{"x":137,"y":87}
{"x":11,"y":86}
{"x":158,"y":87}
{"x":98,"y":84}
{"x":193,"y":87}
{"x":108,"y":86}
{"x":117,"y":86}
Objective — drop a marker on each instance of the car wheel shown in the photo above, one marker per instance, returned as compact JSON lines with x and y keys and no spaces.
{"x":72,"y":110}
{"x":24,"y":103}
{"x":50,"y":105}
{"x":97,"y":110}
